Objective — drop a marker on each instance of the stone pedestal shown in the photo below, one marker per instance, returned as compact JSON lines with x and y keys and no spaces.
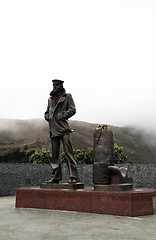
{"x":136,"y":202}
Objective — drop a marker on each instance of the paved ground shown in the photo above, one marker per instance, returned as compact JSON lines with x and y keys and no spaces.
{"x":33,"y":224}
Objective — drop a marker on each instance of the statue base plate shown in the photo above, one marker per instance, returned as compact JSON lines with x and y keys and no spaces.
{"x":62,"y":185}
{"x":113,"y":187}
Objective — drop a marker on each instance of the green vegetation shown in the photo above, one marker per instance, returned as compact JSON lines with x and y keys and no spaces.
{"x":43,"y":157}
{"x":82,"y":156}
{"x":119,"y":156}
{"x":16,"y":156}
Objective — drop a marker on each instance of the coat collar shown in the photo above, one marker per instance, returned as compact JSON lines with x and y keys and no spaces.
{"x":52,"y":95}
{"x":61,"y":99}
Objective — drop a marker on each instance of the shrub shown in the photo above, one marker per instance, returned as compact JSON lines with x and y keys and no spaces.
{"x":119,"y":156}
{"x":43,"y":157}
{"x":16,"y":156}
{"x":82,"y":156}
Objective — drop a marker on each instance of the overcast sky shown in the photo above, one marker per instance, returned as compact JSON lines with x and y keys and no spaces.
{"x":104,"y":50}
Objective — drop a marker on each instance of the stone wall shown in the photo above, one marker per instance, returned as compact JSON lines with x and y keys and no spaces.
{"x":15,"y":175}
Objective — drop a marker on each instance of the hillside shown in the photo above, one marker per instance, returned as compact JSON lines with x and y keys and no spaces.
{"x":28,"y":135}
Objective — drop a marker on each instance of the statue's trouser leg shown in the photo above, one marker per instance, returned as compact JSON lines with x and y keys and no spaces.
{"x":56,"y":162}
{"x":71,"y":162}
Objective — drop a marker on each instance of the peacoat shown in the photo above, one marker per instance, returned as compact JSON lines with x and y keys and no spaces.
{"x":57,"y":114}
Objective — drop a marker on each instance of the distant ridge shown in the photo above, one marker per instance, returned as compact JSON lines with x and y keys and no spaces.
{"x":29,"y":135}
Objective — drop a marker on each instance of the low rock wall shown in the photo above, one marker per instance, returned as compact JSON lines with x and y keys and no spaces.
{"x":15,"y":175}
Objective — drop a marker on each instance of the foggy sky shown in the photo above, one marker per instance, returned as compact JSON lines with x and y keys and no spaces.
{"x":103,"y":50}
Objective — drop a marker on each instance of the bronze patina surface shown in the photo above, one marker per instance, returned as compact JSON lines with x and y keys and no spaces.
{"x":106,"y":176}
{"x":62,"y":185}
{"x":60,"y":108}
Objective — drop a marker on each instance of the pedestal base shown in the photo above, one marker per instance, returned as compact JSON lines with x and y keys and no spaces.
{"x":62,"y":185}
{"x":136,"y":202}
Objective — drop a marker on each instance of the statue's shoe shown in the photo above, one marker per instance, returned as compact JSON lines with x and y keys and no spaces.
{"x":53,"y":181}
{"x":72,"y":180}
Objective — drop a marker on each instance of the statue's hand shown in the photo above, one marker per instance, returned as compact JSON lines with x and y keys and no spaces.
{"x":46,"y":116}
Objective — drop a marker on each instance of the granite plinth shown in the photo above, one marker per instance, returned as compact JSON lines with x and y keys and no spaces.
{"x":62,"y":185}
{"x":113,"y":187}
{"x":136,"y":202}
